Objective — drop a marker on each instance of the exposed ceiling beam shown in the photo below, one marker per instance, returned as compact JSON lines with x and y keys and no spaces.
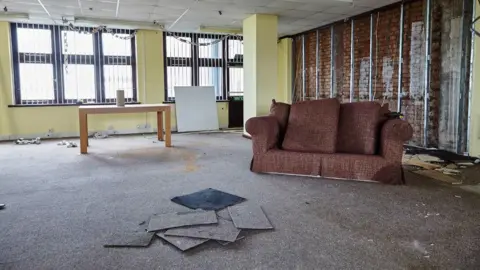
{"x":179,"y":18}
{"x":118,"y":8}
{"x":44,"y":8}
{"x":80,"y":6}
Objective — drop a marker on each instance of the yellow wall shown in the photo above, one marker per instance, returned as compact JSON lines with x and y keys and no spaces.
{"x":63,"y":121}
{"x":285,"y":70}
{"x":475,"y":108}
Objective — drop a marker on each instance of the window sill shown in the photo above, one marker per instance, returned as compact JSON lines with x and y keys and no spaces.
{"x":63,"y":105}
{"x":173,"y":102}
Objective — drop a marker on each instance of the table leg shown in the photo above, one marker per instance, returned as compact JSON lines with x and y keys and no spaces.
{"x":160,"y":125}
{"x":83,"y":132}
{"x":168,"y":129}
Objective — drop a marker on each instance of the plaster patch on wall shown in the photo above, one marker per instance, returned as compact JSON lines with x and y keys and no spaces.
{"x":417,"y":63}
{"x":363,"y":81}
{"x":387,"y":76}
{"x":450,"y":84}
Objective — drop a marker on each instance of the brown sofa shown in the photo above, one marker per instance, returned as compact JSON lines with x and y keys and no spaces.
{"x":325,"y":138}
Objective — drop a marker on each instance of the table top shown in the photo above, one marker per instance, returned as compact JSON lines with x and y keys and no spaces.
{"x":129,"y":108}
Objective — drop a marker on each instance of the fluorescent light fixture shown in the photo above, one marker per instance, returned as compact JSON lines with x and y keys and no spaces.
{"x":212,"y":29}
{"x":13,"y":16}
{"x":112,"y":23}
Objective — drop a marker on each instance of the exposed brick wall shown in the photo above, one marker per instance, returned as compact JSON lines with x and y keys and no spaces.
{"x":361,"y":58}
{"x":413,"y":68}
{"x":386,"y":60}
{"x":386,"y":56}
{"x":344,"y":95}
{"x":339,"y":55}
{"x":310,"y":65}
{"x":325,"y":72}
{"x":297,"y":95}
{"x":435,"y":75}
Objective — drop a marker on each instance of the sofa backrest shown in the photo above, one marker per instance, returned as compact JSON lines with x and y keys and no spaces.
{"x":280,"y":111}
{"x":312,"y":126}
{"x":359,"y":126}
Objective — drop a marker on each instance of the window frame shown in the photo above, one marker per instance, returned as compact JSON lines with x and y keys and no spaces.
{"x":57,"y":58}
{"x":195,"y":62}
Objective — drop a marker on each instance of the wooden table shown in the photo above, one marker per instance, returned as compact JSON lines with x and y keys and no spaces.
{"x":84,"y":111}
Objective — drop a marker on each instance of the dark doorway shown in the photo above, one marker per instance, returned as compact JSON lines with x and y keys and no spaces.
{"x":235,"y":112}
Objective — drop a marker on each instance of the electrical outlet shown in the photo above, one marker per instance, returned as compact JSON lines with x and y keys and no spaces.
{"x":143,"y":126}
{"x":50,"y":132}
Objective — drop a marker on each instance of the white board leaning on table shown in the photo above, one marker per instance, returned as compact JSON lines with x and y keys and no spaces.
{"x":196,"y":108}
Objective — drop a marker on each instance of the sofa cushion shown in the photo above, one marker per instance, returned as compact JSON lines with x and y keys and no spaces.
{"x":358,"y":128}
{"x":280,"y":111}
{"x":312,"y":126}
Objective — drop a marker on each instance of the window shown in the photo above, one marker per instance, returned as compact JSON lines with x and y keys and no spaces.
{"x":56,"y":65}
{"x":236,"y":81}
{"x":206,"y":63}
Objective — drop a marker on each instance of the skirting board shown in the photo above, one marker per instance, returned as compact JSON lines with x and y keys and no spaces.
{"x":62,"y":135}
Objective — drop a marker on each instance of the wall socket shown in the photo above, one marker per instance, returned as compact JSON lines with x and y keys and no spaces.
{"x":143,"y":126}
{"x":50,"y":132}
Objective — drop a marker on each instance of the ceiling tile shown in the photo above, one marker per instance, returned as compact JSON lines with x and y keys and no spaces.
{"x":324,"y":16}
{"x":268,"y":10}
{"x":345,"y":10}
{"x":294,"y":15}
{"x":283,"y":4}
{"x":297,"y":13}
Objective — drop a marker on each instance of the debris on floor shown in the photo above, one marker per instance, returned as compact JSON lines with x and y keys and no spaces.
{"x":185,"y":230}
{"x":100,"y":135}
{"x":208,"y":199}
{"x":175,"y":220}
{"x":26,"y":141}
{"x":249,"y":217}
{"x":137,"y":239}
{"x":439,"y":176}
{"x":182,"y":243}
{"x":69,"y":144}
{"x":437,"y":164}
{"x":225,"y":230}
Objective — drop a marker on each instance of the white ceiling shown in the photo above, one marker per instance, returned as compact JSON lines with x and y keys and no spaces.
{"x":294,"y":15}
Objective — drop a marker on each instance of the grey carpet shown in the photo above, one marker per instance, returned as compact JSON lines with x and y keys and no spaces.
{"x":62,"y":205}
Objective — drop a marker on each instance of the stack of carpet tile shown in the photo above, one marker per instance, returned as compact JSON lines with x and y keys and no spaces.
{"x":214,"y":216}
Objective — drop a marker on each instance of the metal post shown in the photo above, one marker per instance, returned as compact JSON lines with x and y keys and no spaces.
{"x":352,"y":60}
{"x":332,"y":60}
{"x":304,"y":71}
{"x":370,"y":80}
{"x":427,"y":72}
{"x":469,"y":109}
{"x":317,"y":69}
{"x":400,"y":59}
{"x":462,"y":114}
{"x":294,"y":67}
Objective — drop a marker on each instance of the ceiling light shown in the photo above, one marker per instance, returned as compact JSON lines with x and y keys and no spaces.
{"x":206,"y":29}
{"x":13,"y":16}
{"x":112,"y":23}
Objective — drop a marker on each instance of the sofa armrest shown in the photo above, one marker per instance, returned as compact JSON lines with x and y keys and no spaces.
{"x":394,"y":134}
{"x":264,"y":131}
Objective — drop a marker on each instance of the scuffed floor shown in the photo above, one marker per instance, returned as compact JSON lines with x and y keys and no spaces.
{"x":61,"y":205}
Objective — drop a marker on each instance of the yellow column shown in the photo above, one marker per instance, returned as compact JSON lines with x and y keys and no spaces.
{"x":285,"y":70}
{"x":259,"y":64}
{"x":6,"y":78}
{"x":475,"y":109}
